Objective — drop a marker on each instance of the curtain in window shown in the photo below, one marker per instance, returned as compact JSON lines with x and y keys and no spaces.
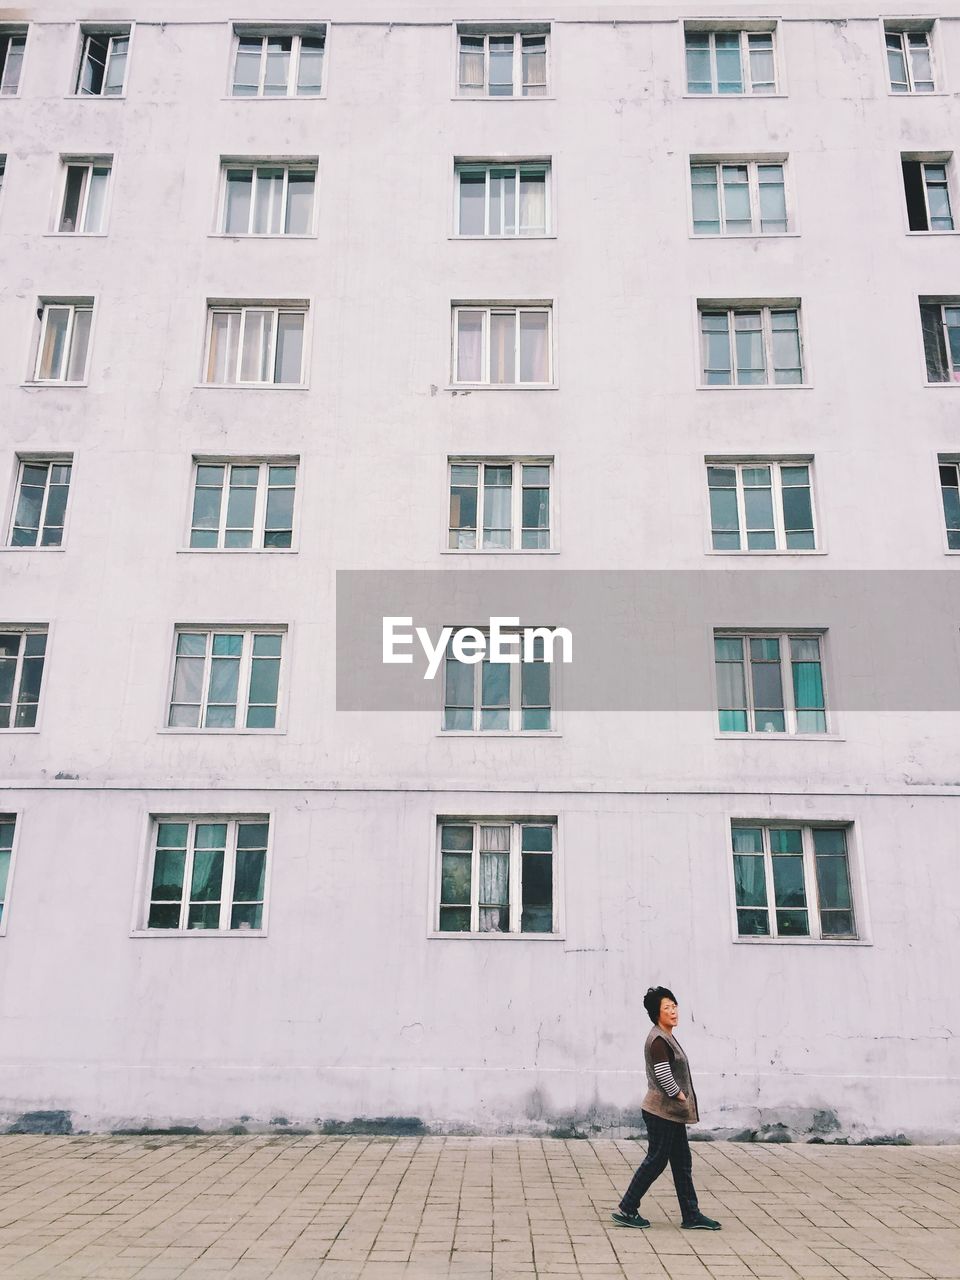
{"x":494,"y":879}
{"x":533,"y":204}
{"x":469,"y":346}
{"x":534,"y":356}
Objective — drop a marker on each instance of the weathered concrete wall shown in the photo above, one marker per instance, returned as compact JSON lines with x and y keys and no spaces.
{"x":347,"y":1009}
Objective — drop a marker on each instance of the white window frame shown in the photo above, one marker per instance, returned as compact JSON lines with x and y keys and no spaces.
{"x":260,"y":509}
{"x":39,"y":459}
{"x":766,"y":307}
{"x":815,"y":937}
{"x":295,"y":32}
{"x":73,"y":305}
{"x":10,"y":32}
{"x":10,"y":815}
{"x":516,"y":505}
{"x":780,"y":537}
{"x":713,"y":29}
{"x":485,"y":166}
{"x":243,"y":677}
{"x":933,"y":160}
{"x":753,"y":165}
{"x":517,"y":33}
{"x":947,"y":460}
{"x":121,"y":31}
{"x":489,"y":308}
{"x":89,"y":163}
{"x":790,"y":732}
{"x":516,"y":824}
{"x":25,"y":629}
{"x":145,"y":885}
{"x":242,"y":308}
{"x":953,"y":369}
{"x":904,"y":27}
{"x":516,"y":688}
{"x":287,"y":165}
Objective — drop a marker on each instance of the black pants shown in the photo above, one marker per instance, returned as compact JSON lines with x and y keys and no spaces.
{"x":666,"y":1144}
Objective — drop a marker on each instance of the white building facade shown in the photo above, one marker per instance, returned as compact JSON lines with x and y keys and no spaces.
{"x":408,"y":288}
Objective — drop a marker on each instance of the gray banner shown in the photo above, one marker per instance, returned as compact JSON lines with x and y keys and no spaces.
{"x":643,"y":641}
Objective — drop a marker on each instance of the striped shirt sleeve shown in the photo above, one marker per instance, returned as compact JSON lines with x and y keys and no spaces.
{"x":660,"y":1056}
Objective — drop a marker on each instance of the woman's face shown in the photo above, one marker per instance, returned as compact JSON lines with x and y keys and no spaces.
{"x":669,"y":1014}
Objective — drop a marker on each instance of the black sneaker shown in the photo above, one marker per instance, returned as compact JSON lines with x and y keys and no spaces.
{"x":628,"y":1219}
{"x":700,"y":1223}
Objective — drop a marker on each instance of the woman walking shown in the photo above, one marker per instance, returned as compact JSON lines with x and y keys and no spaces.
{"x":669,"y":1105}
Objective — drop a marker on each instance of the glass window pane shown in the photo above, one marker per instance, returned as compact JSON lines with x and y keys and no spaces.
{"x":168,"y":870}
{"x":921,"y":66}
{"x":786,"y":347}
{"x":310,"y":72}
{"x":471,"y":64}
{"x":729,"y":74}
{"x":469,"y":346}
{"x":96,"y":200}
{"x":79,"y":342}
{"x":473,"y":200}
{"x":455,"y":878}
{"x":715,"y":342}
{"x":533,"y":202}
{"x":536,"y":880}
{"x":238,"y":199}
{"x":748,"y":331}
{"x":699,"y":72}
{"x":749,"y":880}
{"x":706,"y":199}
{"x":503,"y":337}
{"x":773,"y":202}
{"x":896,"y":63}
{"x":534,"y":55}
{"x":277,"y":73}
{"x":116,"y":66}
{"x":289,"y":357}
{"x":534,"y":353}
{"x":736,"y":198}
{"x":52,"y":353}
{"x":73,"y":197}
{"x":762,"y":74}
{"x":246,"y":76}
{"x":500,"y":55}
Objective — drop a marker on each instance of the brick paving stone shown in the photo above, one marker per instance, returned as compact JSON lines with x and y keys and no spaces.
{"x":268,"y":1207}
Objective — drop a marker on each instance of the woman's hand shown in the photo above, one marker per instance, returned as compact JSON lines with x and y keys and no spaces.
{"x":681,"y":1096}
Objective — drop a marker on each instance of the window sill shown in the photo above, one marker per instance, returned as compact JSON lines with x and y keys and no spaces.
{"x":20,"y":729}
{"x":51,"y":383}
{"x":236,"y":551}
{"x":464,"y":388}
{"x":500,"y":97}
{"x":925,"y":235}
{"x":779,"y":737}
{"x":45,"y":550}
{"x":744,"y":235}
{"x":198,"y":933}
{"x":279,"y":97}
{"x":549,"y":235}
{"x":235,"y":236}
{"x":802,"y":942}
{"x":778,"y":551}
{"x":251,"y":386}
{"x":937,"y":93}
{"x":75,"y":235}
{"x":499,"y":937}
{"x":499,"y":733}
{"x":175,"y":730}
{"x":733,"y":97}
{"x":951,"y":382}
{"x":95,"y":97}
{"x":762,"y":386}
{"x":500,"y":551}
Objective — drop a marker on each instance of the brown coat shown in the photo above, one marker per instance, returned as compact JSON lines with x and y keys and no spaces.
{"x":656,"y":1100}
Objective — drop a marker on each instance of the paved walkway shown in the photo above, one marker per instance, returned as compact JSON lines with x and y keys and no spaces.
{"x":295,"y":1208}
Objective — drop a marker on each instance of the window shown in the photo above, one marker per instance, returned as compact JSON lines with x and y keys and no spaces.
{"x":761,"y":506}
{"x":268,"y":200}
{"x":926,"y":185}
{"x":502,"y":345}
{"x":279,"y":64}
{"x":503,"y":200}
{"x":13,"y":41}
{"x":103,"y":63}
{"x":22,"y":651}
{"x":511,"y":500}
{"x":243,"y":504}
{"x":765,"y":349}
{"x":41,"y":503}
{"x":208,"y":873}
{"x":497,"y":875}
{"x":3,"y":167}
{"x":950,"y":493}
{"x":502,"y":64}
{"x":746,"y":198}
{"x":256,"y":345}
{"x":64,"y":341}
{"x":802,"y":871}
{"x":225,"y":678}
{"x":909,"y":58}
{"x":737,"y":61}
{"x":499,"y":697}
{"x":940,"y":322}
{"x":752,"y":695}
{"x":8,"y":825}
{"x":84,"y":202}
